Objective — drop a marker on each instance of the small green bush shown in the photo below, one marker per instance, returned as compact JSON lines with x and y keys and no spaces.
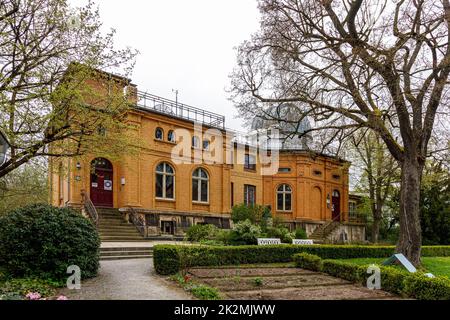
{"x":419,"y":286}
{"x":245,"y":232}
{"x":258,"y":281}
{"x":42,"y":241}
{"x":204,"y":292}
{"x":280,"y":232}
{"x":307,"y":261}
{"x":300,"y":233}
{"x":254,"y":213}
{"x":201,"y":232}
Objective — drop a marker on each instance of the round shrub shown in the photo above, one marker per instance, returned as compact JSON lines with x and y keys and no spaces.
{"x":200,"y":232}
{"x":41,"y":240}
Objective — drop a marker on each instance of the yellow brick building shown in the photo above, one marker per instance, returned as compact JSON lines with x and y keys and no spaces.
{"x":210,"y":172}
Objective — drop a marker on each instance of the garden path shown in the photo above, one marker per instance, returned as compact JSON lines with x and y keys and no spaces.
{"x":133,"y":279}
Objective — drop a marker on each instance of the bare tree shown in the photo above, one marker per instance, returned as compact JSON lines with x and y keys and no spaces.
{"x":46,"y":108}
{"x":379,"y":173}
{"x":377,"y":64}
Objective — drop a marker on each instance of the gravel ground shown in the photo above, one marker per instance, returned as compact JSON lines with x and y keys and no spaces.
{"x":133,"y":279}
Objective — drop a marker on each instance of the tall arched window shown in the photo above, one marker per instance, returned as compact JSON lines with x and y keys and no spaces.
{"x":284,"y":198}
{"x":165,"y":181}
{"x":200,"y":185}
{"x":159,"y":134}
{"x":171,"y":136}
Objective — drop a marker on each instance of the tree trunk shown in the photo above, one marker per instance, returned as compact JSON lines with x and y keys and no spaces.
{"x":410,"y":238}
{"x":376,"y":229}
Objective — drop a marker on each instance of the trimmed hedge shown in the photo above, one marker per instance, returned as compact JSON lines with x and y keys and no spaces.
{"x":307,"y":261}
{"x":413,"y":285}
{"x":168,"y":258}
{"x":419,"y":286}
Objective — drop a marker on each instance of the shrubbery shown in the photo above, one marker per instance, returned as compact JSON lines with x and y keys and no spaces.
{"x":250,"y":223}
{"x":413,"y":285}
{"x":300,"y":234}
{"x":201,"y":232}
{"x":307,"y":261}
{"x":42,"y":241}
{"x":167,"y":258}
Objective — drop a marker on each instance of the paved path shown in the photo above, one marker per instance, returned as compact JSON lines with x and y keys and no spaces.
{"x":127,"y":280}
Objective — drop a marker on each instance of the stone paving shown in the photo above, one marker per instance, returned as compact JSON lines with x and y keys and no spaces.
{"x":133,"y":279}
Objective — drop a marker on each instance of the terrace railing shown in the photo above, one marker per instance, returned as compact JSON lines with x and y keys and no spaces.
{"x":180,"y":110}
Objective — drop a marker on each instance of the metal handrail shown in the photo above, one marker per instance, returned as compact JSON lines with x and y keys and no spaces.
{"x":90,"y":208}
{"x":180,"y":110}
{"x":136,"y":219}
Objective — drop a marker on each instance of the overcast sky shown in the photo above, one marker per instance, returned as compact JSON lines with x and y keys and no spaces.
{"x":184,"y":45}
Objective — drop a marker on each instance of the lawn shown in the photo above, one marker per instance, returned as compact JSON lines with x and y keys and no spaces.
{"x":439,"y":266}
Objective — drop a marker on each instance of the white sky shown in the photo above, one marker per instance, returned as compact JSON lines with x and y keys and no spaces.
{"x":184,"y":45}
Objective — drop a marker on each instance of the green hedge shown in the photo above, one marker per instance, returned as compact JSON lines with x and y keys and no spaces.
{"x":421,"y":287}
{"x":307,"y":261}
{"x":168,"y":258}
{"x":413,"y":285}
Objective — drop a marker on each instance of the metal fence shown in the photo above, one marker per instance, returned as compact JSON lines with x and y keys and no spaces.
{"x":179,"y":110}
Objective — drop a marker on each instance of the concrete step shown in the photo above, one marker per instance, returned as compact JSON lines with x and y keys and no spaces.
{"x":124,"y":240}
{"x":119,"y":249}
{"x":122,"y":230}
{"x":126,"y":253}
{"x":125,"y":257}
{"x":136,"y":237}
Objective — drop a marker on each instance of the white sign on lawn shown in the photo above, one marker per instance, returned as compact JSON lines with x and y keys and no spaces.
{"x":302,"y":241}
{"x":266,"y":241}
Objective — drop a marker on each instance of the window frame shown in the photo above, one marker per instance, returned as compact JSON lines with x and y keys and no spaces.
{"x":174,"y":138}
{"x":246,"y":194}
{"x":247,"y":164}
{"x":162,"y":134}
{"x":195,"y":142}
{"x":199,"y":179}
{"x":164,"y":174}
{"x":283,"y":193}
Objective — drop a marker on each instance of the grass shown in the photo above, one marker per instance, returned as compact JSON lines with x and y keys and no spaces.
{"x":439,"y":266}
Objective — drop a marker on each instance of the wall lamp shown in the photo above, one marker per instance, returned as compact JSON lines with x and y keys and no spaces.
{"x":328,"y":201}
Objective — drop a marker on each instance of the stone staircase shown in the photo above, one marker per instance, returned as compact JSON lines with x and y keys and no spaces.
{"x":121,"y":253}
{"x":112,"y":227}
{"x":321,"y":233}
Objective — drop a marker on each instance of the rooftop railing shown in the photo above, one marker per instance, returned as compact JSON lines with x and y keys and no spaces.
{"x":179,"y":110}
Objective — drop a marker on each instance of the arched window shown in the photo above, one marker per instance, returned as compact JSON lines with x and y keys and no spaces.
{"x":159,"y":134}
{"x":206,"y":144}
{"x":200,"y":185}
{"x":284,"y":198}
{"x":165,"y":181}
{"x":195,"y":142}
{"x":171,"y":136}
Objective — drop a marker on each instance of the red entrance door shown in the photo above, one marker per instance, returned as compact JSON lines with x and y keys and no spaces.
{"x":102,"y":182}
{"x":336,"y":206}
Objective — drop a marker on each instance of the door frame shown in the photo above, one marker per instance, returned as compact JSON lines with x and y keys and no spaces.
{"x":92,"y":171}
{"x":336,"y":199}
